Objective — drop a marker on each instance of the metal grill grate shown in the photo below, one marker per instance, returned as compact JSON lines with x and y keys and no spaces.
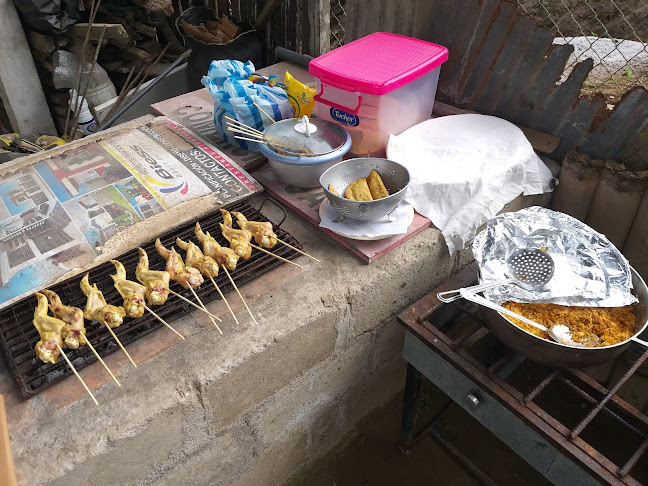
{"x":19,"y":336}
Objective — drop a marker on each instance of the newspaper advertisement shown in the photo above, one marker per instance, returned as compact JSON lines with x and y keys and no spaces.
{"x":57,"y":214}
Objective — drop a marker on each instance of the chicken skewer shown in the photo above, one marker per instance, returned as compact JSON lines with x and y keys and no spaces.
{"x":188,"y":277}
{"x":73,"y":333}
{"x":239,"y":239}
{"x":225,"y":257}
{"x":263,"y":234}
{"x":206,"y":264}
{"x":157,"y":283}
{"x":134,"y":295}
{"x":49,"y":347}
{"x":97,"y":309}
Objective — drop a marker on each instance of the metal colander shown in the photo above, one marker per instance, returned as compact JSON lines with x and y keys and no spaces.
{"x":395,"y":177}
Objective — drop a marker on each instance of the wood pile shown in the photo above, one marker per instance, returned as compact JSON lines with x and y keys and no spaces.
{"x":134,"y":37}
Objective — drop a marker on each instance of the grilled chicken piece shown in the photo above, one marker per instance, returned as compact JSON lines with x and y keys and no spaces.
{"x":262,"y":231}
{"x":239,"y":239}
{"x":73,"y":333}
{"x":225,"y":257}
{"x":97,"y":309}
{"x":155,"y":281}
{"x":132,"y":292}
{"x":184,"y":275}
{"x":195,"y":258}
{"x":50,"y":329}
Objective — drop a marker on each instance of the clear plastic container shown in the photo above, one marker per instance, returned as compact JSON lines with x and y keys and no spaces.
{"x":378,"y":85}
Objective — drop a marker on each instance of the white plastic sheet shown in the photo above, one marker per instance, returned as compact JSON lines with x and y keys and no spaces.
{"x":464,"y":169}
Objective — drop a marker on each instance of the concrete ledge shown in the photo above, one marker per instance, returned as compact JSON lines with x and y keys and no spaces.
{"x":251,"y":406}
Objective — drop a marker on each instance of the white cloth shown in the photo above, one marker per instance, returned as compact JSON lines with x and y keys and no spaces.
{"x":464,"y":169}
{"x":367,"y":230}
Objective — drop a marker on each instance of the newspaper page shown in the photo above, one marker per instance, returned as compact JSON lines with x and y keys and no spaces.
{"x":57,"y":214}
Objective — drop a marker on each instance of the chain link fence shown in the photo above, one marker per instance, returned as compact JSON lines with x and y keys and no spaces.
{"x":338,"y":19}
{"x":611,"y":32}
{"x":614,"y":33}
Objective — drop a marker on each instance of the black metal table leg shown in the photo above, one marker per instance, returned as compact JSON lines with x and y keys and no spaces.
{"x":410,"y":400}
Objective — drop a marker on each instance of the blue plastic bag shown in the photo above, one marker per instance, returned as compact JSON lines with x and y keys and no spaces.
{"x":234,"y":95}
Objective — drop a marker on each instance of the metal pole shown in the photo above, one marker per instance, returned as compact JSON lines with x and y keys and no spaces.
{"x":20,"y":88}
{"x":142,"y":91}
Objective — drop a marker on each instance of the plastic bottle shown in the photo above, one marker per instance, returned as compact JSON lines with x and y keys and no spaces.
{"x":99,"y":88}
{"x":86,"y":121}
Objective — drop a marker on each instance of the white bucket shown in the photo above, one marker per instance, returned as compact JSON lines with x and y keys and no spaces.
{"x":98,"y":95}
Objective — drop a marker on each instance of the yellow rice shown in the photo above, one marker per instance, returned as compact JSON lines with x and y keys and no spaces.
{"x":612,"y":325}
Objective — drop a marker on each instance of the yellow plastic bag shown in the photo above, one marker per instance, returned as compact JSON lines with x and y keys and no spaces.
{"x":300,"y":96}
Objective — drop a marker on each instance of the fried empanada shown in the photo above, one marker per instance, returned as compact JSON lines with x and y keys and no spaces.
{"x":376,"y":186}
{"x":332,"y":190}
{"x":358,"y":191}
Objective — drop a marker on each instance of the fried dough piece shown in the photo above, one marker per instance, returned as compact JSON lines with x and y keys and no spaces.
{"x":358,"y":191}
{"x":376,"y":186}
{"x":332,"y":190}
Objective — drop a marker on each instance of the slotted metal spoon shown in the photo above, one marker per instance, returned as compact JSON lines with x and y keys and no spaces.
{"x":531,"y":267}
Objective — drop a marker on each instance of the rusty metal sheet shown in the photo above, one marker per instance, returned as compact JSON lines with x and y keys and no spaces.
{"x":501,"y":63}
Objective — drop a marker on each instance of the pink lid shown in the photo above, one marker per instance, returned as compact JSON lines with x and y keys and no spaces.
{"x":378,"y":63}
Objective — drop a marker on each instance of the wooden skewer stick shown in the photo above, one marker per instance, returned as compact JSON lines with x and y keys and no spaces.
{"x":77,"y":375}
{"x":102,"y":362}
{"x":252,"y":129}
{"x":224,"y":299}
{"x":239,"y":294}
{"x":258,"y":140}
{"x":263,"y":111}
{"x":121,"y":346}
{"x":276,"y":256}
{"x":298,"y":250}
{"x":245,"y":132}
{"x":239,"y":129}
{"x":163,"y":322}
{"x":195,"y":305}
{"x":204,"y":308}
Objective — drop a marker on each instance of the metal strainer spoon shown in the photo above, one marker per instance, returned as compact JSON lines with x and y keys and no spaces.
{"x":531,"y":267}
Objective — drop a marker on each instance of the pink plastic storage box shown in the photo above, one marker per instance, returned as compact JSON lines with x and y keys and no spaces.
{"x":380,"y":84}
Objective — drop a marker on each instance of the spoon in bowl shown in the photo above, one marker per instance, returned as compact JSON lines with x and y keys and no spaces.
{"x":558,"y":332}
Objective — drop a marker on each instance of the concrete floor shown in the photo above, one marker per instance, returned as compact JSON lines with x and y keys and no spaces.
{"x":369,"y":455}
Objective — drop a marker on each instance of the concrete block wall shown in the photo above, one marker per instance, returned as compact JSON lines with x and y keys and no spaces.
{"x":251,"y":407}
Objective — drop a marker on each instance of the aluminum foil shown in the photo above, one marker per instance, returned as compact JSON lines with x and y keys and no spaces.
{"x":589,"y":270}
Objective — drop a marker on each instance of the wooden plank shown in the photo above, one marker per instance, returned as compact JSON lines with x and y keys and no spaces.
{"x":113,"y":31}
{"x":40,"y":42}
{"x":268,"y":9}
{"x":319,"y":40}
{"x":540,"y":141}
{"x":7,"y":469}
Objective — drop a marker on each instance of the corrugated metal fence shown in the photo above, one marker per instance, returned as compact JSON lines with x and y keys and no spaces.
{"x":502,"y":62}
